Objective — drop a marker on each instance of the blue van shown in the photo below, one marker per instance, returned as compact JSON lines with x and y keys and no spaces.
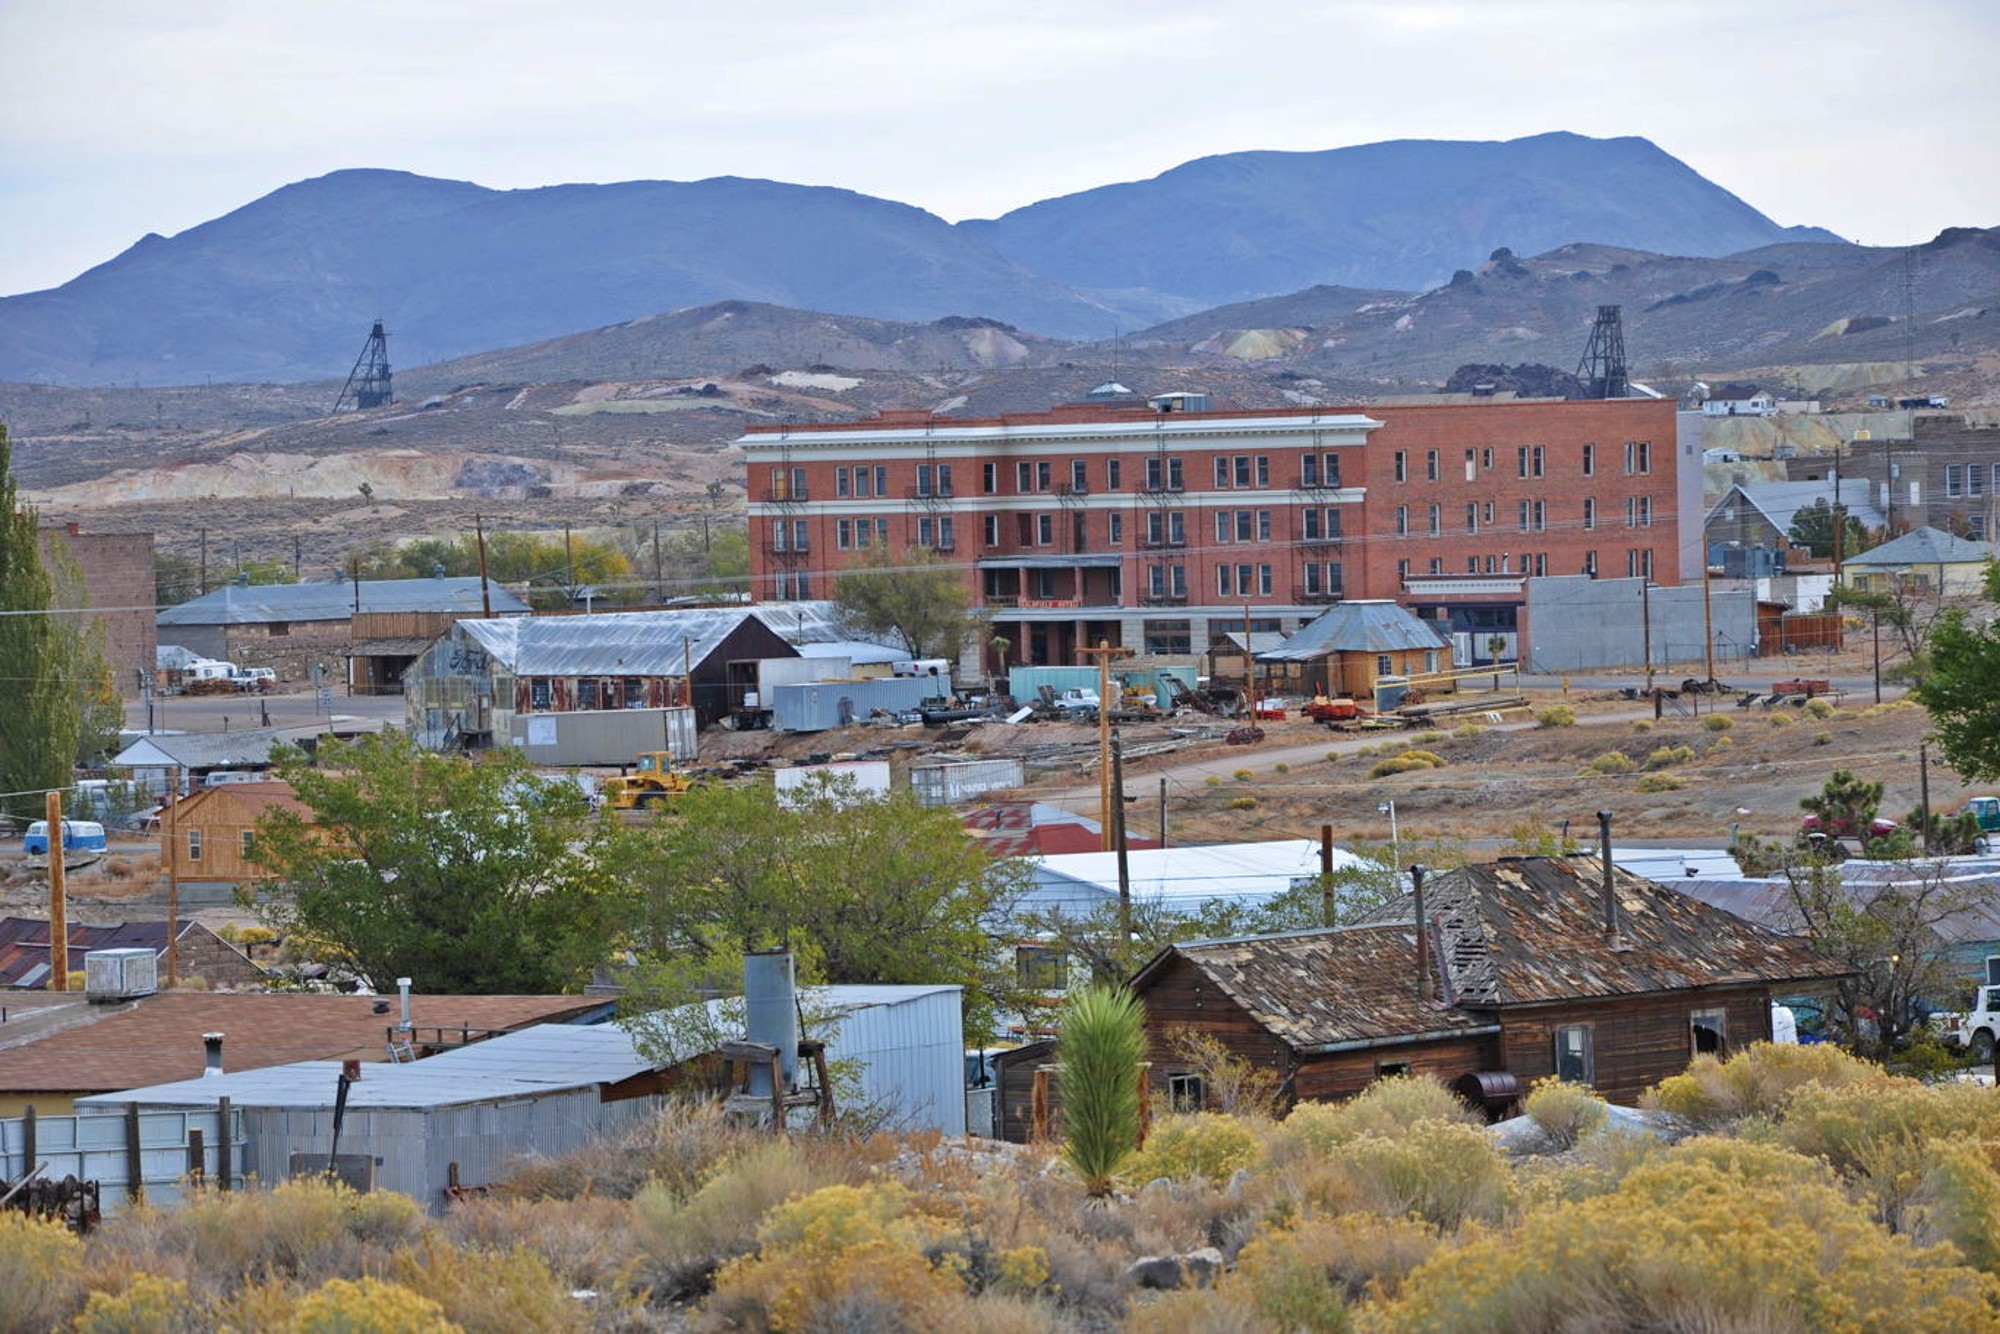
{"x":78,"y":836}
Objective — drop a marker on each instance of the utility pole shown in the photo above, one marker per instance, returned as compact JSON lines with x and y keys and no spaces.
{"x":1118,"y":814}
{"x":1163,"y":810}
{"x":1924,"y":790}
{"x":58,"y":907}
{"x":1104,"y":653}
{"x":1326,"y":913}
{"x":171,"y":849}
{"x":485,"y":589}
{"x":1707,"y":619}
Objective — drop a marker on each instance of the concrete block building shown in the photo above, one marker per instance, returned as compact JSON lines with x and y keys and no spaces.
{"x":1160,"y":525}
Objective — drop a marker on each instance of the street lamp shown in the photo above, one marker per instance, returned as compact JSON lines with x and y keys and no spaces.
{"x":1388,"y":808}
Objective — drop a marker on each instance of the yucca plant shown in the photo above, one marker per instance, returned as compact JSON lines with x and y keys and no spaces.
{"x":1097,"y":1059}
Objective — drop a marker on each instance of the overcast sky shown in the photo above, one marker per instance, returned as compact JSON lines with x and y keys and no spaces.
{"x":123,"y":117}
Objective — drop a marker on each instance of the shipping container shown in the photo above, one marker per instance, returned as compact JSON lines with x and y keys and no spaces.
{"x":819,"y":706}
{"x":953,"y":781}
{"x":604,"y":736}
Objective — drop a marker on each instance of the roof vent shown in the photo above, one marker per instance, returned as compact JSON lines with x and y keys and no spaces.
{"x":117,"y":975}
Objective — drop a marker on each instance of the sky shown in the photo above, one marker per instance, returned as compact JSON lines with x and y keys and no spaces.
{"x":123,"y":117}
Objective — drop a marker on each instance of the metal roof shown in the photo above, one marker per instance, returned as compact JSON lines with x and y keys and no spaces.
{"x":641,"y":643}
{"x":857,"y":651}
{"x":1768,"y":902}
{"x":1780,"y":502}
{"x":1356,"y":627}
{"x":209,"y":750}
{"x":336,"y":600}
{"x":1184,"y":876}
{"x":550,"y":1058}
{"x":1925,"y":546}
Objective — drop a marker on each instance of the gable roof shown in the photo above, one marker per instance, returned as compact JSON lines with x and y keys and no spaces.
{"x":24,"y":944}
{"x":1356,"y":627}
{"x":242,"y":802}
{"x":1780,"y":502}
{"x":248,"y":747}
{"x":1925,"y":546}
{"x":158,"y":1039}
{"x":1520,"y":931}
{"x":336,"y":600}
{"x":641,"y":643}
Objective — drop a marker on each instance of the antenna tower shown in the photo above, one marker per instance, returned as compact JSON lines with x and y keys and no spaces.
{"x":1602,"y":369}
{"x":368,"y":383}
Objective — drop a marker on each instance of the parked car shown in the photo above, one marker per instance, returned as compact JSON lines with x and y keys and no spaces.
{"x":259,"y":679}
{"x":1877,"y":828}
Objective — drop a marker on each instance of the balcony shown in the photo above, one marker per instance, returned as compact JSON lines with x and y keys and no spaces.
{"x":1316,"y":597}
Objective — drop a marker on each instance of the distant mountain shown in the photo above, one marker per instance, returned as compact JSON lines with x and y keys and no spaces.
{"x":1403,"y":214}
{"x":285,"y":288}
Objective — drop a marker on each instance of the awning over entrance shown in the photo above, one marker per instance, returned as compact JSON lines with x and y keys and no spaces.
{"x":1052,"y":562}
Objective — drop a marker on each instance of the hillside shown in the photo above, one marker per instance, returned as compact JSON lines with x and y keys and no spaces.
{"x":1400,"y":214}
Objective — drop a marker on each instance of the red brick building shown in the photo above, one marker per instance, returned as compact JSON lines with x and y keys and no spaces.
{"x":1158,"y":527}
{"x":117,"y":570}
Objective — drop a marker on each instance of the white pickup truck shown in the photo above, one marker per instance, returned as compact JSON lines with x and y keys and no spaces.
{"x":1978,"y":1031}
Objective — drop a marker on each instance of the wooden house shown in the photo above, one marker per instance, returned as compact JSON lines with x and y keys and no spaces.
{"x":1349,"y":648}
{"x":208,"y":838}
{"x":1516,"y":975}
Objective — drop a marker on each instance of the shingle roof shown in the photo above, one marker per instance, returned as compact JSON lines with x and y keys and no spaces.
{"x":640,"y":643}
{"x":24,"y":944}
{"x":1521,"y":931}
{"x":335,"y":600}
{"x":1780,"y":502}
{"x":1925,"y":546}
{"x":158,"y":1039}
{"x":1356,"y":627}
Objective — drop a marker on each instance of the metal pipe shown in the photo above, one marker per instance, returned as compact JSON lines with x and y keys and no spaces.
{"x":1417,"y":874}
{"x":212,"y":1048}
{"x":403,"y":989}
{"x":1610,"y":891}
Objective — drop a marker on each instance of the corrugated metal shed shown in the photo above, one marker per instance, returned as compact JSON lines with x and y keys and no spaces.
{"x":1356,"y":627}
{"x":1181,"y":877}
{"x":817,"y":706}
{"x":257,"y":604}
{"x":639,"y":643}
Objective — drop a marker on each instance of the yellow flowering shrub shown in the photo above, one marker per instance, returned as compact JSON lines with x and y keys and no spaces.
{"x":38,"y":1274}
{"x":1758,"y":1081}
{"x":368,"y":1306}
{"x":1302,"y":1275}
{"x":1565,"y":1112}
{"x":150,"y":1305}
{"x":1387,"y":1107}
{"x":1202,"y":1144}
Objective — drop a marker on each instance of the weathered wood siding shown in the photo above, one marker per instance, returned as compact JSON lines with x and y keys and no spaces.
{"x":1636,"y":1041}
{"x":1015,"y":1072}
{"x":1339,"y":1075}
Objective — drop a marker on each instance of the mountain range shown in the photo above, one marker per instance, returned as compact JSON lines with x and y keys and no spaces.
{"x":284,"y":288}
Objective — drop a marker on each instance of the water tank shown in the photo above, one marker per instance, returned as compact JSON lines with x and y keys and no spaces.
{"x":115,"y":975}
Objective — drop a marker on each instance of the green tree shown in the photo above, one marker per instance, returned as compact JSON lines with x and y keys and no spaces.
{"x":468,"y":874}
{"x":256,"y":571}
{"x":552,"y":571}
{"x":42,"y":722}
{"x":1813,"y":528}
{"x":175,"y":579}
{"x":86,"y":675}
{"x":1845,"y":805}
{"x":1097,"y":1061}
{"x":1962,"y":689}
{"x":917,"y":599}
{"x":862,"y":889}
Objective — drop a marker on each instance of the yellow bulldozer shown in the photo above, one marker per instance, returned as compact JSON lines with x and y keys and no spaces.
{"x":651,"y":783}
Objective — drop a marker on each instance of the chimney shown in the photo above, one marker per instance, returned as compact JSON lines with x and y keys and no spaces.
{"x":1610,"y":891}
{"x":1417,"y":874}
{"x":74,"y":529}
{"x":212,"y":1045}
{"x":350,"y":1070}
{"x":403,"y":990}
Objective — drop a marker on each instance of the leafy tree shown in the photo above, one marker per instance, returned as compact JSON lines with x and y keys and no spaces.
{"x":1910,"y":612}
{"x":86,"y":675}
{"x":1845,"y":806}
{"x":469,"y":875}
{"x":863,"y":890}
{"x":917,"y":599}
{"x":258,"y":572}
{"x":1813,"y":528}
{"x":176,"y":579}
{"x":1097,"y":1059}
{"x":1960,"y":690}
{"x":42,"y":722}
{"x":552,"y":571}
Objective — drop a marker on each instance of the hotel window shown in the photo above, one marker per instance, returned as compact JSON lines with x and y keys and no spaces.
{"x":1486,"y":513}
{"x":1263,"y":470}
{"x":1264,"y":580}
{"x":862,"y":490}
{"x":1590,"y":563}
{"x":1223,"y":526}
{"x":1024,"y":477}
{"x":1486,"y":458}
{"x":1223,"y":588}
{"x":1472,"y":565}
{"x":1402,"y":466}
{"x":1116,"y":528}
{"x":1244,"y":575}
{"x":1437,"y":564}
{"x":1589,"y":513}
{"x":1263,"y":525}
{"x":1111,"y":471}
{"x":1045,"y":530}
{"x":924,"y":479}
{"x":882,"y":532}
{"x":1403,"y":570}
{"x":840,"y":483}
{"x":1079,"y":476}
{"x":1243,"y":470}
{"x":1042,"y":475}
{"x":1523,"y":452}
{"x":1402,"y":520}
{"x":861,"y":534}
{"x":1523,"y":511}
{"x":1954,"y":480}
{"x":1590,"y":460}
{"x":1631,"y":511}
{"x":992,"y":530}
{"x":1975,"y":480}
{"x":1541,"y":516}
{"x":1645,"y":511}
{"x":1221,"y":471}
{"x":1472,"y":517}
{"x":1431,"y":466}
{"x":1573,"y":1055}
{"x":843,"y":533}
{"x":1535,"y":460}
{"x":1437,"y":520}
{"x":1471,"y":464}
{"x":989,"y":477}
{"x":1639,"y":456}
{"x":1243,"y":529}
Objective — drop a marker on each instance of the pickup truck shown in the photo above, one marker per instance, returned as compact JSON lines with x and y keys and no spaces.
{"x":261,"y":680}
{"x":1986,"y":812}
{"x":1076,"y":701}
{"x":1978,"y":1030}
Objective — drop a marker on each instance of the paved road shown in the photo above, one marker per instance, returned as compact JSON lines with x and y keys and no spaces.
{"x":233,"y":713}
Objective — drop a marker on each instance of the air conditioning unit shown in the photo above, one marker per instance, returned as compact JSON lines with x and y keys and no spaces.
{"x":115,"y":975}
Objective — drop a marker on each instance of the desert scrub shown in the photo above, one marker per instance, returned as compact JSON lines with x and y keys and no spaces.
{"x":1281,"y":767}
{"x":1430,"y":738}
{"x":1658,"y":783}
{"x":1665,"y":757}
{"x":1302,"y":1274}
{"x":368,"y":1306}
{"x":1642,"y":724}
{"x":1778,"y":719}
{"x":689,"y":1237}
{"x":148,"y":1305}
{"x":38,"y":1274}
{"x":1243,"y":803}
{"x":1390,"y":768}
{"x":1103,"y":1041}
{"x":1388,"y":1107}
{"x":1688,"y":1242}
{"x":1611,"y":762}
{"x":1718,"y":722}
{"x":1213,"y":780}
{"x":1443,"y":1172}
{"x":1467,"y":731}
{"x":1555,"y":715}
{"x":1203,"y":1144}
{"x":1430,"y":757}
{"x":1758,"y":1081}
{"x":1820,"y":708}
{"x":1565,"y":1112}
{"x":1243,"y":775}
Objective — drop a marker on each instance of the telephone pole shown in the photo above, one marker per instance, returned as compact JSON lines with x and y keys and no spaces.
{"x":1104,"y":653}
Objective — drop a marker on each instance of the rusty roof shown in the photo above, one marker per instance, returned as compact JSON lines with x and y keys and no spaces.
{"x":158,"y":1039}
{"x":1520,"y":931}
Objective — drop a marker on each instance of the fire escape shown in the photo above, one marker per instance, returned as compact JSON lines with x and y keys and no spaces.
{"x":929,"y":501}
{"x":787,"y":543}
{"x":1316,"y":526}
{"x":1162,"y":532}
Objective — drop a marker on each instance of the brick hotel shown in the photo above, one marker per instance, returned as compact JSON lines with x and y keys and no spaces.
{"x":1157,"y":524}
